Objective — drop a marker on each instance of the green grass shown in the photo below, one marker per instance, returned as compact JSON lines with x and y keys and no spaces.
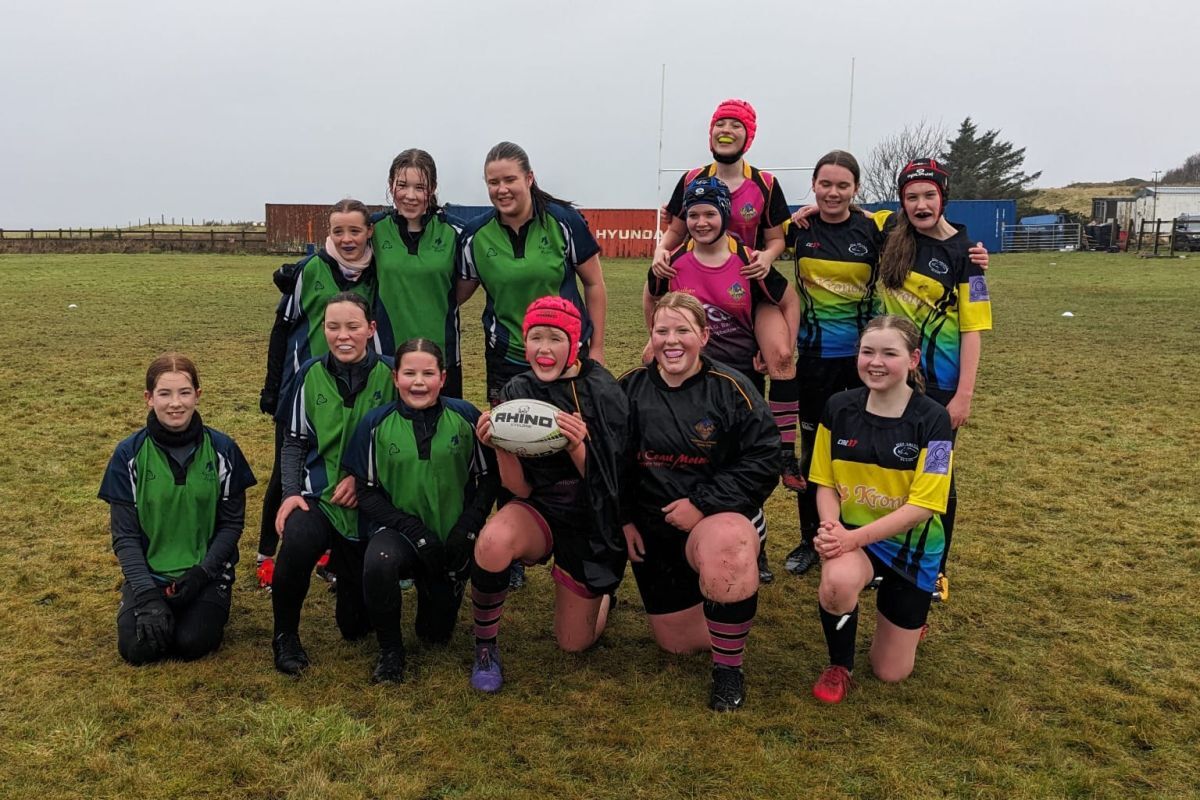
{"x":1065,"y":665}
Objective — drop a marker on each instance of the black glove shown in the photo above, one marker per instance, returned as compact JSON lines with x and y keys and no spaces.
{"x":187,"y":586}
{"x":153,"y":618}
{"x":428,"y":546}
{"x":460,"y":547}
{"x":268,"y":401}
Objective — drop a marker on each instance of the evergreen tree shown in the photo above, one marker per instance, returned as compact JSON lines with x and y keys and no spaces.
{"x":985,"y":167}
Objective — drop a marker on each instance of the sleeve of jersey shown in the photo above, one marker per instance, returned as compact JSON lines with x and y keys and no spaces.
{"x":464,"y":260}
{"x":117,"y":484}
{"x":241,"y":477}
{"x":881,"y":217}
{"x":746,"y":484}
{"x":777,"y":208}
{"x":820,"y":471}
{"x":675,"y":204}
{"x":357,"y":457}
{"x":975,"y":303}
{"x":931,"y":482}
{"x":582,"y":243}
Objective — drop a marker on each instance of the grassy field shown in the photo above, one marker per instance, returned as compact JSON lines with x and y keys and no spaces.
{"x":1065,"y":665}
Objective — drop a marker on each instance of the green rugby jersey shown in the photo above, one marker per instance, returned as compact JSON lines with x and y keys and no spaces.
{"x":317,"y":281}
{"x":321,"y":416}
{"x":177,"y":513}
{"x":426,"y":476}
{"x":517,"y":267}
{"x":416,"y":278}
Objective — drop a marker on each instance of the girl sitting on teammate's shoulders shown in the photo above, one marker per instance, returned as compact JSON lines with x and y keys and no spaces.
{"x":566,"y":504}
{"x":424,"y":486}
{"x":882,"y":463}
{"x":177,"y":496}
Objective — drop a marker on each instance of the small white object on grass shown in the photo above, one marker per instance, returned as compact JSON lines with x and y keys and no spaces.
{"x":72,"y":305}
{"x":1068,"y":314}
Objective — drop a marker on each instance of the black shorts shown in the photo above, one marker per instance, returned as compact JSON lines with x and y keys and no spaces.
{"x":665,"y":579}
{"x":819,"y":380}
{"x":897,"y":598}
{"x":562,"y":511}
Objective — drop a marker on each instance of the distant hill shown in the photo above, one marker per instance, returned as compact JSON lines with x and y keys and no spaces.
{"x":1077,"y":197}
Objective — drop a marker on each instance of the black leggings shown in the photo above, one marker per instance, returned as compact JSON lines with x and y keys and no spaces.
{"x":199,"y":626}
{"x":391,"y":558}
{"x":268,"y":539}
{"x":306,"y":536}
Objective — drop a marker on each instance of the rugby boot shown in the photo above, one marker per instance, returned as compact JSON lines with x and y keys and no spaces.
{"x":290,"y":658}
{"x":486,"y":675}
{"x":390,"y":668}
{"x":728,"y":688}
{"x":833,"y":684}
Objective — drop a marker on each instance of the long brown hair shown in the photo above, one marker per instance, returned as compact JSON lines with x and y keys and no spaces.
{"x":912,"y":341}
{"x":899,"y":251}
{"x":422,"y":162}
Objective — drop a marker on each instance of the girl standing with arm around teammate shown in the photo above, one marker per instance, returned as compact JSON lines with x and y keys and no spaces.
{"x":705,"y":457}
{"x":416,"y":249}
{"x":926,"y":277}
{"x":566,"y":504}
{"x":177,"y":496}
{"x":344,"y":264}
{"x":531,"y":245}
{"x":424,"y":487}
{"x":330,"y":396}
{"x":882,"y":466}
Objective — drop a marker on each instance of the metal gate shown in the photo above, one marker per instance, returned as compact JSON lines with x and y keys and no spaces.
{"x":1033,"y":238}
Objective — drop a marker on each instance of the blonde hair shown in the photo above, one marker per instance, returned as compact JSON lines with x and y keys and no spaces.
{"x":912,"y":341}
{"x":686,"y":303}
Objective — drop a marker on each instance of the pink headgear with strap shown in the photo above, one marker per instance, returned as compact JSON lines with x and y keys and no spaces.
{"x":740,"y":110}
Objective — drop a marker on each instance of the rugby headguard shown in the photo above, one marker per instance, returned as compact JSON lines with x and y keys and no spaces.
{"x":925,"y":169}
{"x":712,"y":191}
{"x":557,"y":312}
{"x":743,"y":112}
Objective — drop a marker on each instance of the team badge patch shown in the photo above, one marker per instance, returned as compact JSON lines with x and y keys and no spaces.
{"x":906,"y":451}
{"x":937,"y":458}
{"x":748,"y":211}
{"x":736,"y":292}
{"x":705,"y":428}
{"x":858,"y":249}
{"x":977,"y":291}
{"x":938,"y":267}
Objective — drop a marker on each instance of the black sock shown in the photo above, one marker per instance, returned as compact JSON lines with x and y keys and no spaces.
{"x":840,"y":641}
{"x":783,"y":397}
{"x":728,"y":627}
{"x":488,"y":590}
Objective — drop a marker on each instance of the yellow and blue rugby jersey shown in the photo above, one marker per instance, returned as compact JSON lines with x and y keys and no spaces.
{"x":944,"y":295}
{"x":836,"y":264}
{"x":878,"y":464}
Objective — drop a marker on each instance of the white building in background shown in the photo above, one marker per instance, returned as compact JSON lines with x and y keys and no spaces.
{"x":1165,"y":202}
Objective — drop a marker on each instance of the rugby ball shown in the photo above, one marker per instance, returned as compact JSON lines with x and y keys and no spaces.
{"x":527,"y":428}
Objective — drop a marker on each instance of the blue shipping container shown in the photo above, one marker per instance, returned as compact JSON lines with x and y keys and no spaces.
{"x":984,"y":218}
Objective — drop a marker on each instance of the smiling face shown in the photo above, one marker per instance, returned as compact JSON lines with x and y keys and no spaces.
{"x":547,"y":349}
{"x":677,"y":339}
{"x":411,"y":191}
{"x":347,"y":332}
{"x":418,"y":379}
{"x":704,"y":223}
{"x":727,"y":137}
{"x":922,"y":204}
{"x":884,"y":360}
{"x":509,"y":189}
{"x":173,"y":400}
{"x":350,"y":233}
{"x":834,"y":187}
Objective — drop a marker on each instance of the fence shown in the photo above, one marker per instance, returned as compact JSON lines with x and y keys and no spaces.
{"x":1181,"y":235}
{"x":1033,"y":238}
{"x":119,"y":234}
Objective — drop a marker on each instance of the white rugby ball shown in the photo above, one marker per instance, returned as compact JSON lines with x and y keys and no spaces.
{"x":527,"y":428}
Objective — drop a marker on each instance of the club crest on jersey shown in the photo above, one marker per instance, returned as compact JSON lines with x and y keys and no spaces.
{"x":438,"y":244}
{"x":906,"y":451}
{"x":736,"y":292}
{"x":387,"y":245}
{"x":937,"y":458}
{"x":322,"y":399}
{"x":748,"y":211}
{"x":454,"y":440}
{"x":318,"y":286}
{"x":394,"y":449}
{"x":705,"y":428}
{"x":491,"y":252}
{"x":378,"y":396}
{"x":938,"y":267}
{"x":977,"y":289}
{"x":858,"y":249}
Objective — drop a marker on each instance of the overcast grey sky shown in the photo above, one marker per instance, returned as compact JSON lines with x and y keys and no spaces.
{"x":117,"y":110}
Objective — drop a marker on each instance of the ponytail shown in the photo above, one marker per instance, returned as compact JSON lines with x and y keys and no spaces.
{"x":899,"y":252}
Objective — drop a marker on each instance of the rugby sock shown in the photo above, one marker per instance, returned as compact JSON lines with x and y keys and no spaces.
{"x":840,"y":640}
{"x":728,"y":626}
{"x":488,"y":590}
{"x":784,"y":399}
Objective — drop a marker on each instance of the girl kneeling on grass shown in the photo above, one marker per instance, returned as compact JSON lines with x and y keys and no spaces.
{"x":177,"y":496}
{"x":329,"y":397}
{"x":882,"y":464}
{"x":705,"y":458}
{"x":424,"y":485}
{"x":566,"y":504}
